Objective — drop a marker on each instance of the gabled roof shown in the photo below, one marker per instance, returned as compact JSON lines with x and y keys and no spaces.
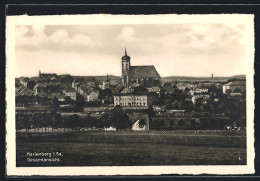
{"x":69,"y":89}
{"x":200,"y":86}
{"x":236,"y":83}
{"x":56,"y":94}
{"x":143,"y":72}
{"x":155,"y":87}
{"x":92,"y":91}
{"x":23,"y":91}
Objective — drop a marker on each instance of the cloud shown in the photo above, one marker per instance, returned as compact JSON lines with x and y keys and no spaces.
{"x":127,"y":34}
{"x":175,"y":49}
{"x":34,"y":38}
{"x":30,"y":35}
{"x":216,"y":38}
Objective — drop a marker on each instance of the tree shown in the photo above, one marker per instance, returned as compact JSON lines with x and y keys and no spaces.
{"x":171,"y":123}
{"x":80,"y":102}
{"x":68,"y":100}
{"x":181,"y":122}
{"x":228,"y":91}
{"x":161,"y":124}
{"x":186,"y":90}
{"x":106,"y":95}
{"x":55,"y":120}
{"x":55,"y":104}
{"x":105,"y":120}
{"x":64,"y":122}
{"x":198,"y":106}
{"x":237,"y":90}
{"x":193,"y":123}
{"x":187,"y":106}
{"x":37,"y":121}
{"x":45,"y":121}
{"x":205,"y":123}
{"x":27,"y":123}
{"x":141,"y":123}
{"x":120,"y":120}
{"x":75,"y":122}
{"x":31,"y":84}
{"x":89,"y":121}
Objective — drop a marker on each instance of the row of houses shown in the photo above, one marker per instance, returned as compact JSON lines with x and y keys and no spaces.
{"x":86,"y":89}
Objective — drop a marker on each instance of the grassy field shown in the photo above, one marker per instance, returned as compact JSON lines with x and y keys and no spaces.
{"x":136,"y":148}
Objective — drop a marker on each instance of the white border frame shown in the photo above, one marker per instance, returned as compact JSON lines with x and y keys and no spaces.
{"x":12,"y":21}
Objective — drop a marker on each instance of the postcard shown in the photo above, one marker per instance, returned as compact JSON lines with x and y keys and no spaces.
{"x":110,"y":94}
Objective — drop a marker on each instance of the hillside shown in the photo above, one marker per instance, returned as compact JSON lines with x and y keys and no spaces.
{"x":98,"y":78}
{"x":186,"y":78}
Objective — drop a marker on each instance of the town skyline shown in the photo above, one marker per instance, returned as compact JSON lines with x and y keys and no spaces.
{"x":196,"y":50}
{"x":104,"y":75}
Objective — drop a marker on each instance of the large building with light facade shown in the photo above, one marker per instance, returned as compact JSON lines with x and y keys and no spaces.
{"x":133,"y":100}
{"x":233,"y":85}
{"x":132,"y":97}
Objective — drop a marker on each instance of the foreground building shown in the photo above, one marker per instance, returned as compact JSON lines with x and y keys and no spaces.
{"x":199,"y":89}
{"x":70,"y":92}
{"x":132,"y":97}
{"x":233,"y":85}
{"x":134,"y":100}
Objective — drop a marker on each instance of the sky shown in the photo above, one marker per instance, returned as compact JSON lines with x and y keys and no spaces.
{"x":174,"y":49}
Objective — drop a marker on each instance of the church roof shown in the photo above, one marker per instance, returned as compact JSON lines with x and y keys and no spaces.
{"x":143,"y":72}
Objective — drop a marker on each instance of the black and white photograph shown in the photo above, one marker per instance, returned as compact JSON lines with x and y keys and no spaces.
{"x":130,"y":94}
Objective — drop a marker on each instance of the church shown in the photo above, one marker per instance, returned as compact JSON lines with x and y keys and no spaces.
{"x":137,"y":74}
{"x":136,"y":81}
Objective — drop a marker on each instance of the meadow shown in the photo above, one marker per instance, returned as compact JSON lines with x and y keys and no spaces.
{"x":128,"y":148}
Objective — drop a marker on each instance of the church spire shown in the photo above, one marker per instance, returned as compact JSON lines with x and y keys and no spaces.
{"x":125,"y":51}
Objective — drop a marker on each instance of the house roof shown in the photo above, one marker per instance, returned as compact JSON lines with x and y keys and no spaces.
{"x":143,"y":72}
{"x":69,"y":89}
{"x":236,"y":83}
{"x":135,"y":91}
{"x":24,"y":79}
{"x":155,"y":87}
{"x":56,"y":94}
{"x":38,"y":108}
{"x":200,"y":86}
{"x":78,"y":80}
{"x":23,"y":91}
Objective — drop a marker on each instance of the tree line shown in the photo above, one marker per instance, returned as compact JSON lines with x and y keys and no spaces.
{"x":116,"y":118}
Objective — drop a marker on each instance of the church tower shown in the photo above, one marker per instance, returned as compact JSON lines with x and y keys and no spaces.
{"x":125,"y":68}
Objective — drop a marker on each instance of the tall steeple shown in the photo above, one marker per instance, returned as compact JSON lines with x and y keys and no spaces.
{"x":125,"y":67}
{"x":40,"y":73}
